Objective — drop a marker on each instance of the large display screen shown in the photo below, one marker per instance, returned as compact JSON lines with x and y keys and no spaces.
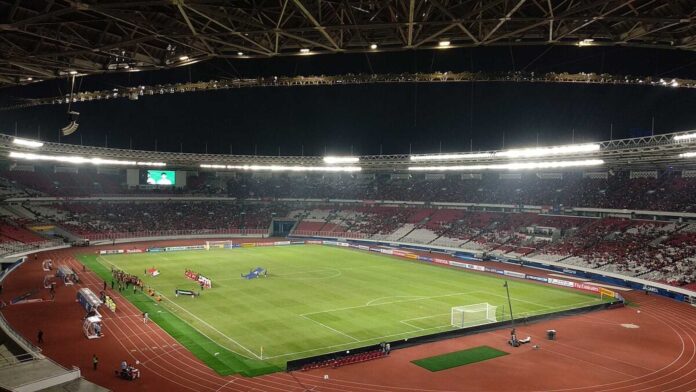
{"x":159,"y":177}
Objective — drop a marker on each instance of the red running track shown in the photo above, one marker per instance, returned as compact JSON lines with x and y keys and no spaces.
{"x":594,"y":352}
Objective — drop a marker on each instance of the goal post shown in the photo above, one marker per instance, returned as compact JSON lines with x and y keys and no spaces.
{"x":218,"y":244}
{"x":472,"y":315}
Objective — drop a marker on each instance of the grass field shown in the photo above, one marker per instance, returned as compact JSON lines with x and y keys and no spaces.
{"x":317,"y":299}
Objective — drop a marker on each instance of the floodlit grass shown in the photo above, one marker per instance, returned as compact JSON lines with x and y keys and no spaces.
{"x":317,"y":299}
{"x":459,"y":358}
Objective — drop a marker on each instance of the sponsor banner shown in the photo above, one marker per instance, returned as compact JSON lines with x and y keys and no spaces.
{"x":281,"y":243}
{"x":649,"y":288}
{"x":387,"y":251}
{"x":265,"y":244}
{"x":378,"y":250}
{"x":514,"y":274}
{"x":608,"y":292}
{"x":494,"y":270}
{"x":569,"y":271}
{"x":334,"y":243}
{"x":314,"y":242}
{"x":400,"y":253}
{"x":477,"y":267}
{"x":247,"y":244}
{"x":111,"y":251}
{"x":134,"y":251}
{"x":425,"y":258}
{"x":363,"y":247}
{"x":411,"y":256}
{"x":587,"y":287}
{"x":175,"y":248}
{"x":561,"y":282}
{"x":297,"y":243}
{"x":345,"y":244}
{"x":154,"y":250}
{"x":456,"y":264}
{"x":440,"y":261}
{"x":232,"y":246}
{"x":537,"y":278}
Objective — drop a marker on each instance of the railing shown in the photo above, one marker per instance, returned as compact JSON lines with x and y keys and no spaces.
{"x":11,"y":248}
{"x":311,"y":233}
{"x":167,"y":233}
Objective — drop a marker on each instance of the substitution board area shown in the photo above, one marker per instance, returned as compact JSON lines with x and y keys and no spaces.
{"x":316,"y":299}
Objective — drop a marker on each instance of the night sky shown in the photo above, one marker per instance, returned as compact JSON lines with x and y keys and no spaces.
{"x":369,"y":117}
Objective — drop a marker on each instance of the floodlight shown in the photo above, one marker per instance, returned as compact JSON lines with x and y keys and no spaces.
{"x":687,"y":136}
{"x":334,"y":160}
{"x":449,"y":157}
{"x":304,"y":50}
{"x":444,"y":44}
{"x":373,"y":46}
{"x":240,"y":53}
{"x":279,"y":168}
{"x":27,"y":143}
{"x":688,"y":155}
{"x":512,"y":166}
{"x":183,"y":58}
{"x":548,"y":151}
{"x":78,"y":159}
{"x":73,"y":72}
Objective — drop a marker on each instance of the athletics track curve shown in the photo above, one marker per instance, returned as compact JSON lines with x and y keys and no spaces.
{"x":594,"y":352}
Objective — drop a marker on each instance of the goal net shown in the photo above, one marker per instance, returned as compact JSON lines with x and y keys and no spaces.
{"x":471,"y":315}
{"x":218,"y":244}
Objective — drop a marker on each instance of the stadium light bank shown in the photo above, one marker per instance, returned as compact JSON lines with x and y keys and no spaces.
{"x":27,"y":143}
{"x":512,"y":166}
{"x":329,"y":160}
{"x":81,"y":160}
{"x":279,"y":168}
{"x":686,"y":136}
{"x":535,"y":152}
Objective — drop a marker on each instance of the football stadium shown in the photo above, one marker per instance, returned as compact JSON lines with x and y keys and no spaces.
{"x":317,"y":195}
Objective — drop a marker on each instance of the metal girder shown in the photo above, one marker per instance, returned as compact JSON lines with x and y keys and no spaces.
{"x":134,"y":92}
{"x":118,"y":36}
{"x":649,"y":151}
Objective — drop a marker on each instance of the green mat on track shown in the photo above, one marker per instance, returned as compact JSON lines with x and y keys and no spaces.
{"x":459,"y":358}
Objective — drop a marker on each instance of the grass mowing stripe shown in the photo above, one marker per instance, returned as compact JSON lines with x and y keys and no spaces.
{"x":317,"y":299}
{"x":218,"y":358}
{"x":459,"y":358}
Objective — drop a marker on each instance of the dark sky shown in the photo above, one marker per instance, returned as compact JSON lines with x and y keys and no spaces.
{"x":368,"y":116}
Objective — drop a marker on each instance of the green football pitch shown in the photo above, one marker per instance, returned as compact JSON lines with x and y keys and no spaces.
{"x":316,"y":299}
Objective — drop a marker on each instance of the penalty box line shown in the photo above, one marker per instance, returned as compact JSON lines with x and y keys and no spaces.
{"x":202,"y":321}
{"x":388,"y":303}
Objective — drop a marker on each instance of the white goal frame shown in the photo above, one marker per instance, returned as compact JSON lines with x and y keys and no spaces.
{"x":217,"y":244}
{"x":472,"y":315}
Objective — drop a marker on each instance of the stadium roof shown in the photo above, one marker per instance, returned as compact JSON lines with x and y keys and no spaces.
{"x":42,"y":40}
{"x":652,"y":152}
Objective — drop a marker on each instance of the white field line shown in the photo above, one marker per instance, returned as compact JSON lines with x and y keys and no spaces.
{"x":425,"y":317}
{"x":389,"y":303}
{"x":548,"y":308}
{"x":394,"y":296}
{"x":517,"y":299}
{"x":335,"y":330}
{"x":202,"y":321}
{"x":377,"y":338}
{"x":410,"y":325}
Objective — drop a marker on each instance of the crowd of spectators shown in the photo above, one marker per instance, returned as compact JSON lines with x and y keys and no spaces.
{"x":656,"y":250}
{"x":86,"y":218}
